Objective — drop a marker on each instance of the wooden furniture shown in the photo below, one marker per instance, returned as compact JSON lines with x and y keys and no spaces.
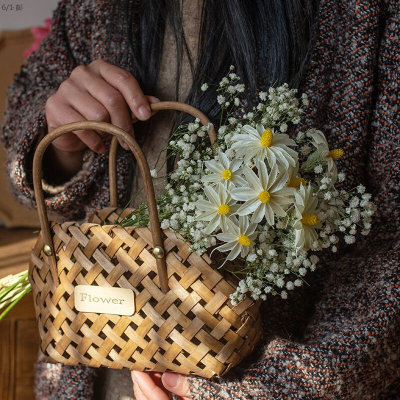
{"x":12,"y":45}
{"x":19,"y":338}
{"x":19,"y":342}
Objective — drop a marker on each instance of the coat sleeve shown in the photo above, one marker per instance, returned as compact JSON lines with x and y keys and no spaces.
{"x":351,"y":346}
{"x":67,"y":46}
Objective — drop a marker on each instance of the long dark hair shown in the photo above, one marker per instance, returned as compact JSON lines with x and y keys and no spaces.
{"x":268,"y":41}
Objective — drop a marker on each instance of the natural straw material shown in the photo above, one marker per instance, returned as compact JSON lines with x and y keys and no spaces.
{"x":183,"y":320}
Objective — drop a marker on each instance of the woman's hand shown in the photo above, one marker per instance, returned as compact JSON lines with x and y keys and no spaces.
{"x":157,"y":386}
{"x":99,"y":91}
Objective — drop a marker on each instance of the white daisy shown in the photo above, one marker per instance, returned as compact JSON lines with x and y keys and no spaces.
{"x":266,"y":195}
{"x":238,"y":238}
{"x":261,"y":143}
{"x":223,"y":170}
{"x":330,"y":156}
{"x":217,"y":210}
{"x":306,"y":217}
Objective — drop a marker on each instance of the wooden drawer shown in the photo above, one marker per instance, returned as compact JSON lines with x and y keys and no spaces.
{"x":19,"y":338}
{"x":19,"y":343}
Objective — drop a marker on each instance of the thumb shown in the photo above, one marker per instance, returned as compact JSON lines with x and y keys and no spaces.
{"x":153,"y":99}
{"x":176,"y":383}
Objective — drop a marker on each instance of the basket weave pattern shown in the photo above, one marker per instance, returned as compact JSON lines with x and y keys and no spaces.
{"x":191,"y":329}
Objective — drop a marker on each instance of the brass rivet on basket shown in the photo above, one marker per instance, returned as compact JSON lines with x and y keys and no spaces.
{"x":158,"y":252}
{"x":47,"y":250}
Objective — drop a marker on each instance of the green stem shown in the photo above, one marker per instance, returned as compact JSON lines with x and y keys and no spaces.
{"x":117,"y":221}
{"x":3,"y":293}
{"x":7,"y":310}
{"x":159,"y":156}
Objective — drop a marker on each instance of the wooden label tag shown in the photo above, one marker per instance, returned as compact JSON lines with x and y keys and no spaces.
{"x":104,"y":300}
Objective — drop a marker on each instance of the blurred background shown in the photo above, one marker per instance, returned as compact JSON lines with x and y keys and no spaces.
{"x":33,"y":13}
{"x":23,"y":23}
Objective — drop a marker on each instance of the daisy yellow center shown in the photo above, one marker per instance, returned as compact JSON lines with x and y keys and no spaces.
{"x":336,"y":154}
{"x":266,"y":138}
{"x":226,"y":174}
{"x":244,"y":240}
{"x":309,"y":219}
{"x":296,"y":182}
{"x":223,"y":209}
{"x":264,"y":196}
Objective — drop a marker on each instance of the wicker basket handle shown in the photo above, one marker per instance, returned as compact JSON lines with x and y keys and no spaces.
{"x":163,"y":105}
{"x":155,"y":228}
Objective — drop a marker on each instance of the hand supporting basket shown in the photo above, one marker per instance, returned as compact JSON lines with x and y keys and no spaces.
{"x":48,"y":247}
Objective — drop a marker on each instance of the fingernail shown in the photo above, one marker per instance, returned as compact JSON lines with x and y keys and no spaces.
{"x":171,"y":379}
{"x":144,"y":111}
{"x":154,"y":100}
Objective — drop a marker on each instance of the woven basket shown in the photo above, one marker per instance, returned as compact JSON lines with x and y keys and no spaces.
{"x":183,"y":320}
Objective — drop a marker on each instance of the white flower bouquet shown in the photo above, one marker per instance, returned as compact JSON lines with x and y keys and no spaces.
{"x":262,"y":203}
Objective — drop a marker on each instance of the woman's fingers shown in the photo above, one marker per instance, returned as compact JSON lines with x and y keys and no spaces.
{"x":97,"y":100}
{"x":177,"y":384}
{"x":116,"y":90}
{"x":138,"y":392}
{"x":148,"y":387}
{"x":172,"y":382}
{"x":127,"y":85}
{"x":99,"y":92}
{"x":105,"y":96}
{"x":71,"y":142}
{"x":86,"y":105}
{"x":153,"y":99}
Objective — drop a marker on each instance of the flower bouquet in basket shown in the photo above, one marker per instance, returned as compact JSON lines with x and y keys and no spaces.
{"x":176,"y":283}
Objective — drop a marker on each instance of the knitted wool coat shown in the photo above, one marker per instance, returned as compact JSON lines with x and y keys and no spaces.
{"x":339,"y":338}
